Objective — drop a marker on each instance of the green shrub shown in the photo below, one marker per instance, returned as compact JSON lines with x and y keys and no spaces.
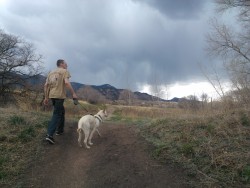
{"x":210,"y":128}
{"x":3,"y":174}
{"x":27,"y":134}
{"x":245,"y":174}
{"x":245,"y":120}
{"x":42,"y":124}
{"x":187,"y":149}
{"x":16,"y":120}
{"x":158,"y":152}
{"x":2,"y":161}
{"x":3,"y":137}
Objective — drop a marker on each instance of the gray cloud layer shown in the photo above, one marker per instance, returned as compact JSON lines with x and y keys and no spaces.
{"x":125,"y":43}
{"x":178,"y":9}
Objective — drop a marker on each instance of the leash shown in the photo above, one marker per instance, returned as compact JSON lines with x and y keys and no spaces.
{"x":76,"y":102}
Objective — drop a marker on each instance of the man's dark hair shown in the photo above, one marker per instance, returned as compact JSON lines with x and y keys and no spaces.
{"x":59,"y":62}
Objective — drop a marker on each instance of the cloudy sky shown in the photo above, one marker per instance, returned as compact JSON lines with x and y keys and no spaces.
{"x":125,"y":43}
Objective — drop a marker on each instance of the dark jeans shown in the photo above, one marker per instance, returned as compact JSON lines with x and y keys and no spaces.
{"x":58,"y":117}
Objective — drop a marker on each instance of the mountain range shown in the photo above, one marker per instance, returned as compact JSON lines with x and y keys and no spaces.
{"x":114,"y":94}
{"x":107,"y":92}
{"x":94,"y":93}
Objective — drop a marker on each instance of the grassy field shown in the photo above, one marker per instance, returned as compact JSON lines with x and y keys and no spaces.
{"x":22,"y":131}
{"x":213,"y":148}
{"x":20,"y":142}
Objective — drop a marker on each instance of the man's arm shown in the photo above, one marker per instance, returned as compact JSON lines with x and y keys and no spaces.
{"x":46,"y":93}
{"x":68,"y":85}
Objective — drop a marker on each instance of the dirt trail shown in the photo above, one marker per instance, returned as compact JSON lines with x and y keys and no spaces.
{"x":118,"y":159}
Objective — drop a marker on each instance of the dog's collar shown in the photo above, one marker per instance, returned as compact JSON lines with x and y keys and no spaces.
{"x":98,"y":117}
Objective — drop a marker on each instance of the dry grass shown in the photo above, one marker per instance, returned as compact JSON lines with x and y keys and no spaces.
{"x":20,"y":141}
{"x":22,"y":131}
{"x":214,"y":149}
{"x":134,"y":113}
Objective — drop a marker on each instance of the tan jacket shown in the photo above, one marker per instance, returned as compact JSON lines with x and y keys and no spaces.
{"x":56,"y":83}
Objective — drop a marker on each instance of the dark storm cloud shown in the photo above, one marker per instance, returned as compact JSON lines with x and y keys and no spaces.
{"x":123,"y":43}
{"x":177,"y":9}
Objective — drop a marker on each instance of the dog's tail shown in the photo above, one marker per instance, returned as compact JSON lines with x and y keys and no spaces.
{"x":79,"y":130}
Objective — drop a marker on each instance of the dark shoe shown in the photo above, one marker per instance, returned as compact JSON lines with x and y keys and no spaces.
{"x":59,"y":133}
{"x":50,"y":139}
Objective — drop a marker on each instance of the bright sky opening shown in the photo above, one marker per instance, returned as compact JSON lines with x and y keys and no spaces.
{"x":183,"y":90}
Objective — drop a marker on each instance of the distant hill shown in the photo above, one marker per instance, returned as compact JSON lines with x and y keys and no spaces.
{"x":102,"y":92}
{"x":175,"y":99}
{"x":113,"y":94}
{"x":109,"y":92}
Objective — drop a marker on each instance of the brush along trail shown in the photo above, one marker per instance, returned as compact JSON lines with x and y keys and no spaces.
{"x":119,"y":158}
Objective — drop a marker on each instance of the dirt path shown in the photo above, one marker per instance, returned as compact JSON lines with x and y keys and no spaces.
{"x":118,"y":159}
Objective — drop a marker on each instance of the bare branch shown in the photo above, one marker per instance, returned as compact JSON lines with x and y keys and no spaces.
{"x":18,"y":63}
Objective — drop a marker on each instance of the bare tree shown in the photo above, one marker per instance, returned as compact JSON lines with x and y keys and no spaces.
{"x":190,"y":102}
{"x":90,"y":94}
{"x":204,"y":100}
{"x":233,"y":44}
{"x":241,"y":5}
{"x":215,"y":80}
{"x":158,"y":89}
{"x":193,"y":102}
{"x":18,"y":64}
{"x":127,"y":96}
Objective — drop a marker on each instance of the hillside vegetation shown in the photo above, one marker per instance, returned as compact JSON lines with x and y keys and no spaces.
{"x":213,"y":147}
{"x":20,"y":142}
{"x":22,"y":132}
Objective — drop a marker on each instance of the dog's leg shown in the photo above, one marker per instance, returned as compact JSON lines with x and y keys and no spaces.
{"x":80,"y":137}
{"x":98,"y":132}
{"x":86,"y":133}
{"x":91,"y":135}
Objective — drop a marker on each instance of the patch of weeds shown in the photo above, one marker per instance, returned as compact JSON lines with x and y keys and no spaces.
{"x":245,"y":174}
{"x":187,"y":149}
{"x":2,"y":161}
{"x":3,"y":137}
{"x":42,"y":124}
{"x":206,"y":147}
{"x":210,"y":128}
{"x":191,"y":170}
{"x":161,"y":121}
{"x":184,"y":136}
{"x":117,"y":112}
{"x":160,"y":151}
{"x":27,"y":134}
{"x":115,"y":118}
{"x":16,"y":120}
{"x":3,"y":174}
{"x":142,"y":122}
{"x":202,"y":126}
{"x":245,"y":120}
{"x":201,"y":159}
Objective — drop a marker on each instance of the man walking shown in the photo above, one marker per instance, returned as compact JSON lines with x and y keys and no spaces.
{"x":55,"y":89}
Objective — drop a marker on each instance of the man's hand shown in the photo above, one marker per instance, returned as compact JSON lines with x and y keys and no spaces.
{"x":74,"y":96}
{"x":46,"y":101}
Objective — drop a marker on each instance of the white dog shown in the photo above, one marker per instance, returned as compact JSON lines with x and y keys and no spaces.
{"x":88,"y":124}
